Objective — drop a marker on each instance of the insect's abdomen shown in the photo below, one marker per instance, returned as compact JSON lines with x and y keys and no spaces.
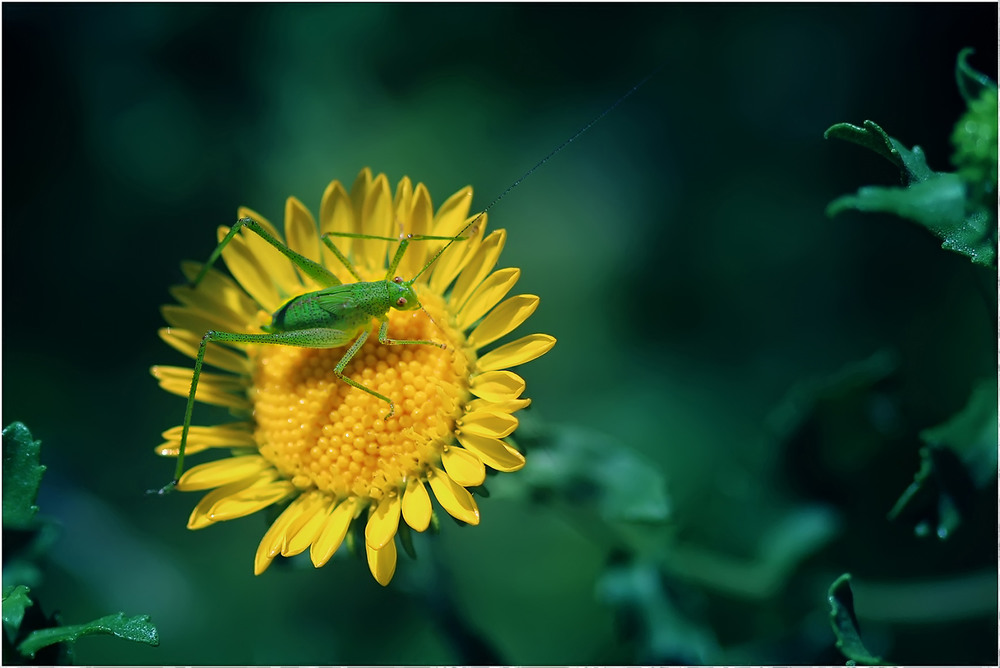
{"x":348,"y":308}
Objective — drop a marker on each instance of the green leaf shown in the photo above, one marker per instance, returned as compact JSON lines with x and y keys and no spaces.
{"x":845,"y":623}
{"x":871,"y":136}
{"x":137,"y":628}
{"x":912,"y":163}
{"x":22,"y":475}
{"x":959,"y":457}
{"x":15,"y":602}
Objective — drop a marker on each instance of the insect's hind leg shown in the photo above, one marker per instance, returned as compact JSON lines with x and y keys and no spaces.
{"x":310,"y":338}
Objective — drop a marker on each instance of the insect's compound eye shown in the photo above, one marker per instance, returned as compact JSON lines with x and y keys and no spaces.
{"x":401,"y":301}
{"x":398,"y":280}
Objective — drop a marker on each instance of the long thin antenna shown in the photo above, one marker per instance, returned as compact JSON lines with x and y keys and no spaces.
{"x":569,"y":141}
{"x":541,"y":162}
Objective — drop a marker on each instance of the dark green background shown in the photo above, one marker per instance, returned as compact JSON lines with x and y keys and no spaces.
{"x":680,"y":249}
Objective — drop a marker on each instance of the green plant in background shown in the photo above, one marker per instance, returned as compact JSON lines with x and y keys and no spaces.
{"x":959,"y":457}
{"x":30,"y":636}
{"x":959,"y":207}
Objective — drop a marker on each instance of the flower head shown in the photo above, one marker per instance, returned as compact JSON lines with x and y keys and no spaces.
{"x":329,"y":450}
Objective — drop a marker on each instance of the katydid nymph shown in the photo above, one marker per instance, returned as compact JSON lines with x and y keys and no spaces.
{"x":337,"y":315}
{"x":340,"y":314}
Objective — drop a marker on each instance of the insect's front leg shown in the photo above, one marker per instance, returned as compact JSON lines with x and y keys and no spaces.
{"x":384,"y":339}
{"x":314,"y":270}
{"x":345,"y":360}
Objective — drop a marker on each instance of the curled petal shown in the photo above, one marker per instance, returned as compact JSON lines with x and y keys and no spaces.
{"x":453,"y":497}
{"x":495,"y":453}
{"x":383,"y":522}
{"x":382,"y":563}
{"x":464,"y":467}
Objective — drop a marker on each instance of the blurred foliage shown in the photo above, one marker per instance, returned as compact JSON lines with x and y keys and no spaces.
{"x":960,"y":458}
{"x":742,"y":387}
{"x":960,"y":207}
{"x":27,"y":632}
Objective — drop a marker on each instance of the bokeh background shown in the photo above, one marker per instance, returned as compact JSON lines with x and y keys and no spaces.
{"x":684,"y":262}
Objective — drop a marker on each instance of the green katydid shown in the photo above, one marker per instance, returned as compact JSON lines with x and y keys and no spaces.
{"x":339,"y":313}
{"x":334,"y":316}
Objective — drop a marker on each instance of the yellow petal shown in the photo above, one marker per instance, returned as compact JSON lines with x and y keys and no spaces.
{"x":197,"y":320}
{"x":420,"y":215}
{"x":359,"y":193}
{"x":336,"y":215}
{"x":222,"y":472}
{"x":403,"y":198}
{"x":376,"y":219}
{"x":201,"y":517}
{"x":249,"y":272}
{"x":495,"y":453}
{"x":216,"y":355}
{"x":301,"y":230}
{"x":216,"y":292}
{"x":486,"y":296}
{"x":251,"y":500}
{"x":488,"y":423}
{"x":278,"y":268}
{"x":201,"y":438}
{"x":452,"y":214}
{"x":478,"y":267}
{"x":275,"y":537}
{"x":453,"y":497}
{"x":464,"y":467}
{"x":333,"y":532}
{"x":382,"y":563}
{"x":497,"y":385}
{"x":517,"y":352}
{"x":509,"y":406}
{"x":216,"y":381}
{"x":457,"y":255}
{"x":208,"y":392}
{"x":383,"y":522}
{"x":416,"y":505}
{"x":306,"y":528}
{"x":502,"y":320}
{"x":451,"y":217}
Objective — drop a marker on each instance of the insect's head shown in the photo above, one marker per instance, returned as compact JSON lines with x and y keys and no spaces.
{"x":401,"y":294}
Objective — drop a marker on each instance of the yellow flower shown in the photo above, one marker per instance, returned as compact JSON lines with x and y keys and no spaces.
{"x":323,"y":447}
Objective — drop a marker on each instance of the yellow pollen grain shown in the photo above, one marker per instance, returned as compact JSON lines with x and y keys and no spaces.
{"x":316,"y":429}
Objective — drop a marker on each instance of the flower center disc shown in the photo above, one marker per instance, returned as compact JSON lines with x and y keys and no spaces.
{"x":322,"y":433}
